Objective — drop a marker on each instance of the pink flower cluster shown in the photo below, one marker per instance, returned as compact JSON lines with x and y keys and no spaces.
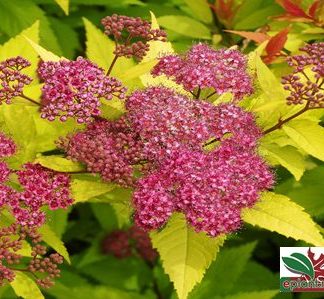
{"x":74,"y":89}
{"x":7,"y":146}
{"x":223,"y":70}
{"x":169,"y":132}
{"x":40,"y":186}
{"x":110,"y":148}
{"x":305,"y":86}
{"x":167,"y":121}
{"x":131,"y":35}
{"x":126,"y":243}
{"x":12,"y":80}
{"x":209,"y":187}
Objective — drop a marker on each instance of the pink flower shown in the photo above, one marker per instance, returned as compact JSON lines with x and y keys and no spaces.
{"x":131,"y":35}
{"x":74,"y":88}
{"x":7,"y":146}
{"x":223,"y":70}
{"x":12,"y":80}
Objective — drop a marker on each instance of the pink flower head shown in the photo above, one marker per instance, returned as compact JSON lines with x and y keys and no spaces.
{"x":12,"y":80}
{"x":41,"y":187}
{"x":4,"y":172}
{"x":131,"y":35}
{"x":302,"y":87}
{"x":110,"y":148}
{"x":210,"y":189}
{"x":223,"y":70}
{"x":74,"y":88}
{"x":167,"y":121}
{"x":7,"y":146}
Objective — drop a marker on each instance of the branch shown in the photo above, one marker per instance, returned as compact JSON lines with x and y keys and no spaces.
{"x":283,"y":121}
{"x":112,"y":65}
{"x":30,"y":99}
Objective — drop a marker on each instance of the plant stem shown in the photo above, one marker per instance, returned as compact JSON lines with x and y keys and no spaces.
{"x":283,"y":121}
{"x":112,"y":65}
{"x":30,"y":99}
{"x":198,"y":93}
{"x":211,"y":94}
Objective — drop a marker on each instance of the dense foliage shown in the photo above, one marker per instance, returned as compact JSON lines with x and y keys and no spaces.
{"x":158,"y":149}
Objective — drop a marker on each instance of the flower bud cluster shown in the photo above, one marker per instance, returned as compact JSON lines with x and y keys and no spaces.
{"x":306,"y":83}
{"x":126,"y":243}
{"x":39,"y":187}
{"x":131,"y":35}
{"x":201,"y":67}
{"x":12,"y":80}
{"x":110,"y":148}
{"x":74,"y":88}
{"x":44,"y":268}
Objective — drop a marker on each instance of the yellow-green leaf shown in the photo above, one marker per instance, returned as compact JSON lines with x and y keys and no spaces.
{"x":53,"y":241}
{"x":83,"y":190}
{"x":157,"y":49}
{"x":185,"y":254}
{"x":308,"y":135}
{"x":19,"y":46}
{"x":59,"y":163}
{"x":201,"y":10}
{"x":43,"y":53}
{"x":276,"y":212}
{"x":287,"y":156}
{"x":64,"y":4}
{"x":25,"y":287}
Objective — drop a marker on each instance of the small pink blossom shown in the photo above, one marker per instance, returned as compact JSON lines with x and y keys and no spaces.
{"x":201,"y":67}
{"x":74,"y":88}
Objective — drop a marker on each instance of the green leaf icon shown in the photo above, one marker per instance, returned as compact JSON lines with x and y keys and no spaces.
{"x":299,"y":263}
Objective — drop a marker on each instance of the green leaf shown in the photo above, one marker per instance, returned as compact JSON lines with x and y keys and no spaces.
{"x":83,"y":190}
{"x":201,"y":10}
{"x":254,"y":14}
{"x":275,"y":212}
{"x":105,"y":215}
{"x":287,"y":156}
{"x":16,"y":15}
{"x":53,"y":241}
{"x":18,"y":46}
{"x":57,"y":220}
{"x":58,"y":163}
{"x":100,"y":49}
{"x":185,"y":26}
{"x":218,"y":280}
{"x":185,"y":254}
{"x":308,"y":135}
{"x":25,"y":287}
{"x":298,"y":265}
{"x":308,"y":192}
{"x":256,"y":277}
{"x":64,"y":4}
{"x":253,"y":295}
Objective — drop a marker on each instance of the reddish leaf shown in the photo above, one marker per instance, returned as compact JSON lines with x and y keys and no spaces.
{"x":292,"y":8}
{"x":277,"y":42}
{"x":258,"y":37}
{"x":317,"y":264}
{"x":312,"y":9}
